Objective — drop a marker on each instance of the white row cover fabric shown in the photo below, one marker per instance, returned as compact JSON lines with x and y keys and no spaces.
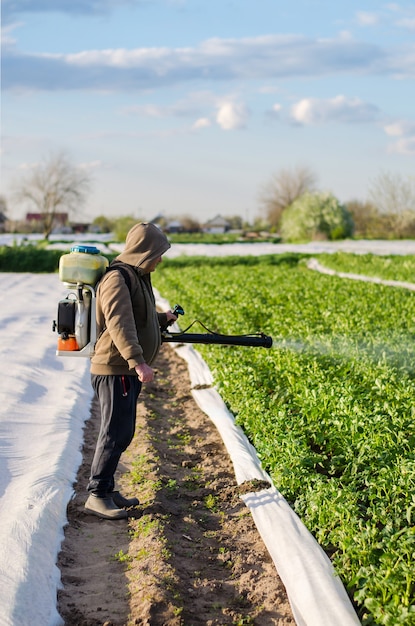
{"x":315,"y":592}
{"x":44,"y":403}
{"x":313,"y":264}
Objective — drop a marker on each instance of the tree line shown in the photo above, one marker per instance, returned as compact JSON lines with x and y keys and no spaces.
{"x":290,"y":205}
{"x":294,"y":207}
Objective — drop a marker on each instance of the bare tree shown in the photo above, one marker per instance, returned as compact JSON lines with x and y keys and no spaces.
{"x":285,"y":187}
{"x":55,"y":185}
{"x":392,"y":194}
{"x":394,"y":197}
{"x":3,"y":205}
{"x":366,"y":219}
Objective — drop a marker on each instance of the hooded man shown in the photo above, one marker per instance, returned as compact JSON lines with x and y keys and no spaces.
{"x":129,"y":338}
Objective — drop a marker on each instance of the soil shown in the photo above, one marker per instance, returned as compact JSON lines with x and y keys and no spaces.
{"x":190,"y":553}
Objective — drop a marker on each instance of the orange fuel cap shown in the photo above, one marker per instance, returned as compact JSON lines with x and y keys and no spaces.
{"x":67,"y":344}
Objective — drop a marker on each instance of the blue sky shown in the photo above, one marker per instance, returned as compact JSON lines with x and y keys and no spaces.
{"x":188,"y":107}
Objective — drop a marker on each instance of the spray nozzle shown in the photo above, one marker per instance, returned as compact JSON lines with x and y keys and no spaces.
{"x":178,"y":310}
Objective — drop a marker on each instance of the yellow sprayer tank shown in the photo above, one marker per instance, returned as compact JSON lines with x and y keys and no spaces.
{"x":84,"y":264}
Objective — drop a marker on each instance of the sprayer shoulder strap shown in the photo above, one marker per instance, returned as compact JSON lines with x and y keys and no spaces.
{"x":123,"y":271}
{"x":125,"y":274}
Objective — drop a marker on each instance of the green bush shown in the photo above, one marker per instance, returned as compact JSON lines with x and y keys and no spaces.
{"x":28,"y":259}
{"x":122,"y":226}
{"x":32,"y":259}
{"x":316,"y":216}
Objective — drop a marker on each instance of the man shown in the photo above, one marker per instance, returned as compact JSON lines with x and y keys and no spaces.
{"x":129,"y":339}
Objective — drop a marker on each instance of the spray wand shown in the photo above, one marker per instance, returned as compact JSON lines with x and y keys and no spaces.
{"x":210,"y":337}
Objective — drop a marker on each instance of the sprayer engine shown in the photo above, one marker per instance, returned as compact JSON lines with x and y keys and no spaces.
{"x":73,"y":324}
{"x":79,"y":271}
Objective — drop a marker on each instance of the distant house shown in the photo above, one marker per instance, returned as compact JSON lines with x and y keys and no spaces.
{"x":174,"y":227}
{"x":160,"y":221}
{"x":59,"y":219}
{"x":80,"y":227}
{"x":217,"y":225}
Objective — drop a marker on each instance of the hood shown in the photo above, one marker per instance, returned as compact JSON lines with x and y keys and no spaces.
{"x":144,"y":243}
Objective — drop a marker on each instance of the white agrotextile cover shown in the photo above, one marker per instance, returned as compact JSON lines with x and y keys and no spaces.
{"x":44,"y":403}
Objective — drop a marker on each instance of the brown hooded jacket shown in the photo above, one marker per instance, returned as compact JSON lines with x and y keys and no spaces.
{"x":128,"y":324}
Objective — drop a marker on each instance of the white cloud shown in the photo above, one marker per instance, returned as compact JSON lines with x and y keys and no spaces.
{"x":202,"y":122}
{"x":193,"y":104}
{"x":76,"y":7}
{"x":345,"y":35}
{"x":146,"y":110}
{"x":266,"y":89}
{"x":393,"y":130}
{"x":6,"y":37}
{"x":404,"y":146}
{"x":367,"y":19}
{"x":259,"y":58}
{"x":275,"y":111}
{"x":314,"y":111}
{"x":232,"y":115}
{"x":227,"y":112}
{"x":393,"y":6}
{"x":27,"y":166}
{"x":407,"y":22}
{"x":400,"y":128}
{"x":93,"y":165}
{"x":405,"y":130}
{"x":205,"y":106}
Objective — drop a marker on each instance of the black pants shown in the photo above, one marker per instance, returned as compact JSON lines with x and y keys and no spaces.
{"x":117,"y":397}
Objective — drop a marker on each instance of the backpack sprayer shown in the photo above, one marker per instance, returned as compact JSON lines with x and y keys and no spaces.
{"x":80,"y":271}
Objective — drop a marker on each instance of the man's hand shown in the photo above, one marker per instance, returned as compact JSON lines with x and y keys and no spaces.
{"x":171,"y":317}
{"x":144,"y":372}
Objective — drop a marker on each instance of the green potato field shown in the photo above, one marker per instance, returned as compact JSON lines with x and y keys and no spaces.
{"x":329,"y":408}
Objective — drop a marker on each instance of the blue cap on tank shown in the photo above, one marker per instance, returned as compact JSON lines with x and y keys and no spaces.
{"x":85,"y":249}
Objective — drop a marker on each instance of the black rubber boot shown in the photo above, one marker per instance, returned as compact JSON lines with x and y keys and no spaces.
{"x":104,"y":507}
{"x":121,"y":502}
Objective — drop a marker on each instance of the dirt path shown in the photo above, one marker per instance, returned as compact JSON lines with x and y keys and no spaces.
{"x":191,"y":553}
